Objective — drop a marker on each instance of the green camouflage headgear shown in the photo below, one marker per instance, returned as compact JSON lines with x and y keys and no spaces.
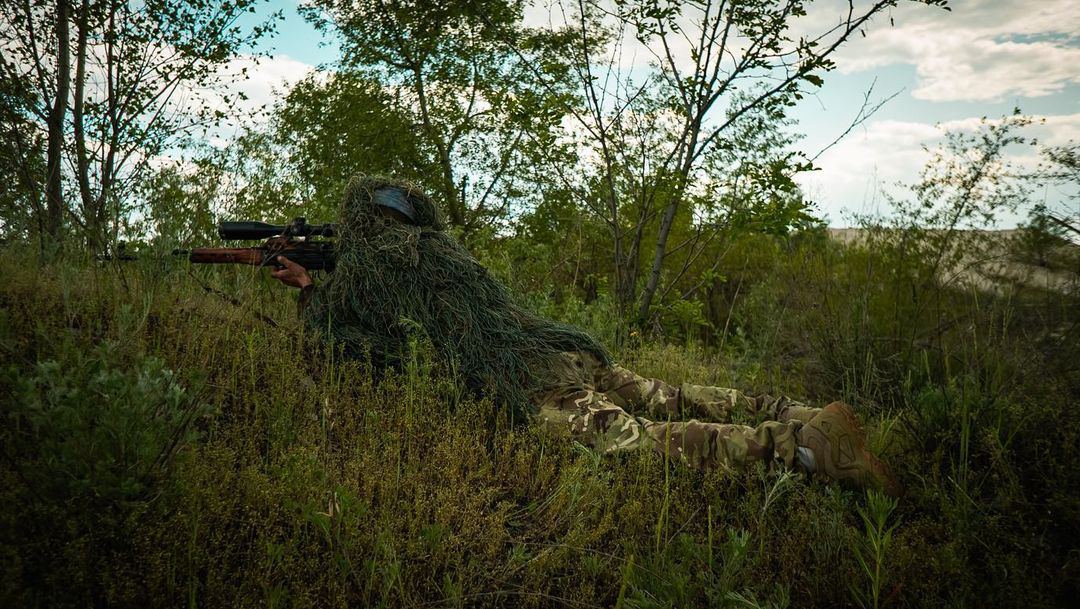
{"x":365,"y":194}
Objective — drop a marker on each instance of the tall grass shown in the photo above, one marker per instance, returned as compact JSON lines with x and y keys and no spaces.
{"x":269,"y":471}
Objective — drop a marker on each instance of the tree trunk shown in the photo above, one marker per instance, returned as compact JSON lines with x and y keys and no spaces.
{"x":82,"y":162}
{"x":453,"y":203}
{"x":54,"y":184}
{"x":659,"y":254}
{"x":666,"y":222}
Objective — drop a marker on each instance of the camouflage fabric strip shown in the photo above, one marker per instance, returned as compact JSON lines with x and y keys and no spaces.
{"x":597,"y":405}
{"x":590,"y":417}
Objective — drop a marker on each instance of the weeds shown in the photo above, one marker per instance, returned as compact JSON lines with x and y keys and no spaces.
{"x":180,"y":451}
{"x":872,"y":549}
{"x":99,"y":428}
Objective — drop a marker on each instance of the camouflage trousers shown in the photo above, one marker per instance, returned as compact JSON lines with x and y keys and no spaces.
{"x":611,"y":409}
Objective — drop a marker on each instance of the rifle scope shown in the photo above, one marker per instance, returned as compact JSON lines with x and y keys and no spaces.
{"x":261,"y":230}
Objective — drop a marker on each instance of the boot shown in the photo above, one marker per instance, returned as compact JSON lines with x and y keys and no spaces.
{"x":837,"y":448}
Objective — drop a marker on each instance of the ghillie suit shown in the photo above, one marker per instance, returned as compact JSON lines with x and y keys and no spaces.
{"x":399,"y":275}
{"x":394,"y":280}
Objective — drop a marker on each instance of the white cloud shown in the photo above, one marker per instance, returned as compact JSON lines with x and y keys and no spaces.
{"x":262,"y":80}
{"x":854,"y":172}
{"x":267,"y":78}
{"x":981,"y":51}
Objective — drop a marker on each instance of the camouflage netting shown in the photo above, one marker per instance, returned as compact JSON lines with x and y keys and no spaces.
{"x":394,"y":279}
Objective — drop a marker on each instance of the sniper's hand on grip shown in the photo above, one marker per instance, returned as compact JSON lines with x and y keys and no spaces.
{"x":290,"y":273}
{"x":312,"y":255}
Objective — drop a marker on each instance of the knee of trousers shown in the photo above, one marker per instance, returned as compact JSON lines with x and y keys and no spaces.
{"x":715,"y":403}
{"x":592,"y":419}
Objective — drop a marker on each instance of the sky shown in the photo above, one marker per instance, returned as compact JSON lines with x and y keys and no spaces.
{"x":947,"y":69}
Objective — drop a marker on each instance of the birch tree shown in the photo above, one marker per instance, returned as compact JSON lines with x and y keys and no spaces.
{"x":116,"y":83}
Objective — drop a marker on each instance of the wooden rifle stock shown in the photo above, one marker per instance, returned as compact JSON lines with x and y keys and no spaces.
{"x":227,"y":255}
{"x":292,"y":241}
{"x":312,"y":255}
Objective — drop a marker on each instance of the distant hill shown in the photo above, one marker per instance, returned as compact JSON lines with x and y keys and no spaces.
{"x":997,"y":261}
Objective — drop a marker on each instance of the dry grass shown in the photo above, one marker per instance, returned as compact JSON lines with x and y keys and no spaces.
{"x":315,"y":484}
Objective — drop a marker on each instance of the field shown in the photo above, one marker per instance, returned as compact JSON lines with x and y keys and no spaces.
{"x":660,"y":175}
{"x":165,"y":447}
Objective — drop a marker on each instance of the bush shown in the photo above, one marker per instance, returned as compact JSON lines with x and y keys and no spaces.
{"x":100,"y":427}
{"x":91,"y":438}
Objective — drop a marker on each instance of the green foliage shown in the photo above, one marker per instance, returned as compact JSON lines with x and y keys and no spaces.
{"x":317,"y":485}
{"x":463,"y":86}
{"x":345,"y":125}
{"x":98,"y":428}
{"x":314,"y":481}
{"x":179,"y":206}
{"x":1044,"y":240}
{"x":689,"y":316}
{"x":122,"y":68}
{"x":871,"y":553}
{"x":21,"y":161}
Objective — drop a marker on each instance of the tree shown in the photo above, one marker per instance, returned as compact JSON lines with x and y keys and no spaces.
{"x":1042,"y":235}
{"x":453,"y":69}
{"x":342,"y":125}
{"x":1061,"y":169}
{"x":1050,"y":236}
{"x":21,"y":165}
{"x":662,"y":138}
{"x":116,"y":84}
{"x":38,"y":51}
{"x":179,"y":201}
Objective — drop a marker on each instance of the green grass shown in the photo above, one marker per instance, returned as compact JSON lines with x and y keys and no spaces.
{"x":218,"y":461}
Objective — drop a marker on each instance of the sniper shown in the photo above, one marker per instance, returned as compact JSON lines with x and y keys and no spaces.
{"x":398,"y":272}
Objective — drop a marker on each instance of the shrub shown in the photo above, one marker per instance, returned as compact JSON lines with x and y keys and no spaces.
{"x":102,"y":427}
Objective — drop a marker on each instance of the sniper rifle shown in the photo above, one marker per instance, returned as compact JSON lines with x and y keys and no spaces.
{"x":294,"y":241}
